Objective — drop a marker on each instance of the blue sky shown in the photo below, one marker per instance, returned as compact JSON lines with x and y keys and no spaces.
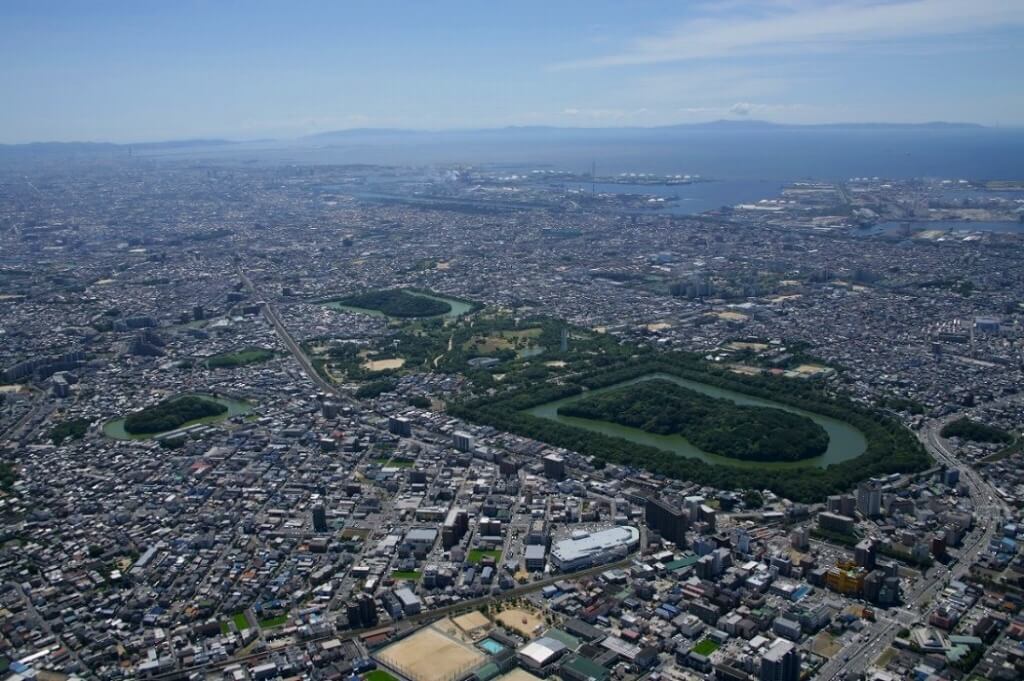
{"x":148,"y":70}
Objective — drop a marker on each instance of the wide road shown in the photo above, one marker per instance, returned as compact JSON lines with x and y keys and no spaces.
{"x":988,"y":511}
{"x":274,"y":318}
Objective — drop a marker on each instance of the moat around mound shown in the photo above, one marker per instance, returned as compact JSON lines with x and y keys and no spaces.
{"x":172,"y":414}
{"x":843,"y":440}
{"x":715,"y":425}
{"x":401,"y":304}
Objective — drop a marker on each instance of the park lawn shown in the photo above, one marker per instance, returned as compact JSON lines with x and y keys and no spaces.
{"x":502,"y":340}
{"x":272,"y":622}
{"x":705,"y":647}
{"x":240,"y":620}
{"x":394,"y":463}
{"x":378,"y":675}
{"x":477,"y":555}
{"x":408,"y":575}
{"x":224,"y":628}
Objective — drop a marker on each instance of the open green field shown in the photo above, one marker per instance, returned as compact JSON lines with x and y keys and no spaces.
{"x":446,"y":344}
{"x":273,"y":622}
{"x":477,"y":555}
{"x":394,"y":462}
{"x":240,"y":620}
{"x":705,"y":647}
{"x":407,"y":575}
{"x":515,"y":340}
{"x":239,"y":358}
{"x":378,"y":675}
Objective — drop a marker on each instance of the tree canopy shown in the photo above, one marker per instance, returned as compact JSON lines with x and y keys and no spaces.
{"x":397,"y":303}
{"x":716,"y":425}
{"x":171,"y":414}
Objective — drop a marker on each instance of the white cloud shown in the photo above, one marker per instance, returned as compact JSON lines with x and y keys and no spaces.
{"x":741,"y":108}
{"x":801,"y":27}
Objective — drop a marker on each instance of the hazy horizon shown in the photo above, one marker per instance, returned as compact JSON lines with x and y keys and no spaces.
{"x":130,"y":72}
{"x":713,"y":124}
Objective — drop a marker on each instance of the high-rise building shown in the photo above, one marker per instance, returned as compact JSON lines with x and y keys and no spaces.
{"x":781,"y":662}
{"x":554,"y":466}
{"x":455,"y":525}
{"x":869,"y":499}
{"x":361,"y":611}
{"x":741,"y":540}
{"x":399,"y":425}
{"x":951,"y":476}
{"x":799,"y":538}
{"x":841,"y":504}
{"x":670,"y":521}
{"x":864,"y":554}
{"x":319,"y":518}
{"x":462,"y":441}
{"x":833,"y":522}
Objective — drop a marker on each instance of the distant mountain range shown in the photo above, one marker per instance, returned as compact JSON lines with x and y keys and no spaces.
{"x":67,"y":149}
{"x":709,"y":125}
{"x":393,"y":132}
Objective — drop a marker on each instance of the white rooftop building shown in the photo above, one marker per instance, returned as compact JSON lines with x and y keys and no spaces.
{"x":541,"y":653}
{"x":584,"y":550}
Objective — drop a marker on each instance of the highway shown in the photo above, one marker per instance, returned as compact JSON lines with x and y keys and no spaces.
{"x":988,"y":511}
{"x":275,"y":320}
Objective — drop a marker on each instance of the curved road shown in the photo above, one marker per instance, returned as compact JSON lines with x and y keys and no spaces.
{"x":988,"y":510}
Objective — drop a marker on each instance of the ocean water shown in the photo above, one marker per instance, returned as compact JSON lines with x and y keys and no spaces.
{"x":777,"y":154}
{"x":691,"y":199}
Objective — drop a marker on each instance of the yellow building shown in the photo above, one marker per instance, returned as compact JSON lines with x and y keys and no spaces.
{"x":846,"y":578}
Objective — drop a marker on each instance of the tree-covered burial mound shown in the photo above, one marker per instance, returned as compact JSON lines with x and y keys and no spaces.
{"x":397,"y":303}
{"x":716,"y":425}
{"x":171,"y":414}
{"x":966,"y":429}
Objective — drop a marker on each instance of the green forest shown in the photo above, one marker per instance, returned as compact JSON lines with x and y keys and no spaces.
{"x":74,"y":429}
{"x":966,"y":429}
{"x":397,"y":303}
{"x":7,"y":476}
{"x":718,"y":426}
{"x":171,"y":414}
{"x":238,"y":358}
{"x":891,"y":448}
